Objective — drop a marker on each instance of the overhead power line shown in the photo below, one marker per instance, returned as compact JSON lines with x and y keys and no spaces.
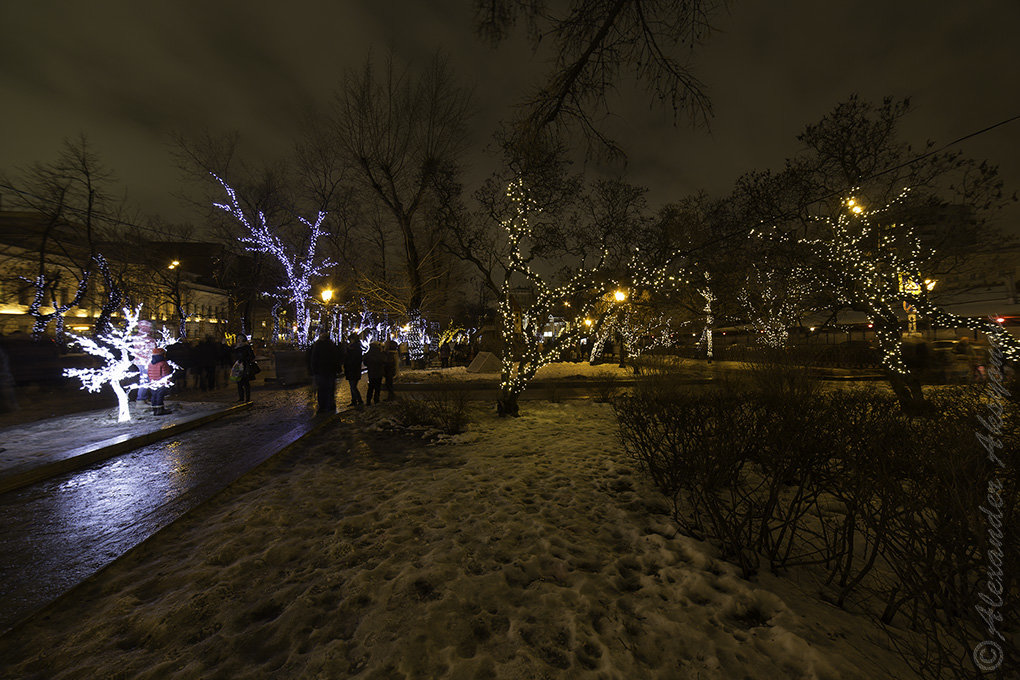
{"x":885,"y":171}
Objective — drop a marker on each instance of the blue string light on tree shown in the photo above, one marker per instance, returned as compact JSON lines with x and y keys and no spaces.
{"x":299,"y":268}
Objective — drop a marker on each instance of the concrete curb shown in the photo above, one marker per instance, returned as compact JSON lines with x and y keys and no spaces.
{"x":285,"y":443}
{"x":100,"y":451}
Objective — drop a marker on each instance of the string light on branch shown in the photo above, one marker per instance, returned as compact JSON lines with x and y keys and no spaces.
{"x":299,"y":268}
{"x":116,"y":348}
{"x":875,"y":265}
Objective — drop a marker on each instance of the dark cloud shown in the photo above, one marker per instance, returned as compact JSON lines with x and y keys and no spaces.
{"x":128,"y":74}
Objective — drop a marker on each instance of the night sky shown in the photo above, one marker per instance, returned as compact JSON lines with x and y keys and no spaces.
{"x":127,"y":74}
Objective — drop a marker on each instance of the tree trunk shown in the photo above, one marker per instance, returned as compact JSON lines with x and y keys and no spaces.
{"x":413,"y":262}
{"x":507,"y":405}
{"x":123,"y":412}
{"x":908,"y":391}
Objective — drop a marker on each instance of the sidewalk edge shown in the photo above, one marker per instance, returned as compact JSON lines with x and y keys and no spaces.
{"x":285,"y":442}
{"x":101,"y":451}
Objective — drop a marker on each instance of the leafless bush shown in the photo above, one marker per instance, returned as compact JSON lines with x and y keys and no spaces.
{"x":885,"y":504}
{"x":605,"y":387}
{"x":781,"y":372}
{"x":445,"y":408}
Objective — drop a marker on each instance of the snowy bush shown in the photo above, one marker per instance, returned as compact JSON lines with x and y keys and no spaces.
{"x":605,"y":387}
{"x":883,"y":507}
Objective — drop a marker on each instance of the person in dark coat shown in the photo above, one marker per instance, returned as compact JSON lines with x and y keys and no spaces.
{"x":324,"y":362}
{"x":206,"y":356}
{"x":180,"y":353}
{"x":390,"y":367}
{"x":246,"y":355}
{"x":375,"y":362}
{"x":352,"y":368}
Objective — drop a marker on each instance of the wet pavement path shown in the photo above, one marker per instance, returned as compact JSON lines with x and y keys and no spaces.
{"x":58,"y":532}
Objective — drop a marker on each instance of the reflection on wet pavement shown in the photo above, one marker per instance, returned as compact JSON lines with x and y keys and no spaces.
{"x":56,"y":533}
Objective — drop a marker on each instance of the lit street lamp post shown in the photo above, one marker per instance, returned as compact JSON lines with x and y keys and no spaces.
{"x":621,"y":296}
{"x":327,"y":295}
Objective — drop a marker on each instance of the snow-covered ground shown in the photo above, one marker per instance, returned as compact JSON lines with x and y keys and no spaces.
{"x":557,"y":371}
{"x":522,"y":548}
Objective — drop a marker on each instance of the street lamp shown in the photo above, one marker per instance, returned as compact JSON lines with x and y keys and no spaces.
{"x":620,"y":296}
{"x":174,"y":265}
{"x":327,"y":295}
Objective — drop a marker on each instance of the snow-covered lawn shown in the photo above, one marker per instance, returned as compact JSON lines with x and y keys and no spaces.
{"x":560,"y":370}
{"x":523,"y":548}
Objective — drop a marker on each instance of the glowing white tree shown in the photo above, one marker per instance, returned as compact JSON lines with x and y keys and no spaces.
{"x":116,"y":348}
{"x":299,"y":268}
{"x":638,"y":323}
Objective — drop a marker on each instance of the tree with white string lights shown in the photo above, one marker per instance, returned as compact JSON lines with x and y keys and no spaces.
{"x":870,"y":263}
{"x":775,"y":301}
{"x":116,"y":348}
{"x":299,"y":268}
{"x":637,"y":322}
{"x":590,"y":292}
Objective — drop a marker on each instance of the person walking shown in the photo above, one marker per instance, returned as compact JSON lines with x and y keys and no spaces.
{"x":180,"y":353}
{"x":157,"y":370}
{"x":324,"y":362}
{"x":245,"y":356}
{"x":444,"y":355}
{"x":375,"y":362}
{"x":352,"y":368}
{"x":390,"y":367}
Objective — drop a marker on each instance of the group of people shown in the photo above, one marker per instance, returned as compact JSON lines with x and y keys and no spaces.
{"x":327,"y":360}
{"x":154,"y":365}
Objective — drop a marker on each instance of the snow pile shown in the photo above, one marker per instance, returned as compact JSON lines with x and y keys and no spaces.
{"x":530,"y":549}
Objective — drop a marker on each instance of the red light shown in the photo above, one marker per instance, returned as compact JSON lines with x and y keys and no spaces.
{"x":999,"y":320}
{"x":871,"y":325}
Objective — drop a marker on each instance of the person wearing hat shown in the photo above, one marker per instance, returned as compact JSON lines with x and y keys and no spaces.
{"x":245,"y":356}
{"x":157,"y":370}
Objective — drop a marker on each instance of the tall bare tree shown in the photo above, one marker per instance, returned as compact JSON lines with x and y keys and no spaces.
{"x":72,"y":195}
{"x":401,"y":131}
{"x":593,"y":44}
